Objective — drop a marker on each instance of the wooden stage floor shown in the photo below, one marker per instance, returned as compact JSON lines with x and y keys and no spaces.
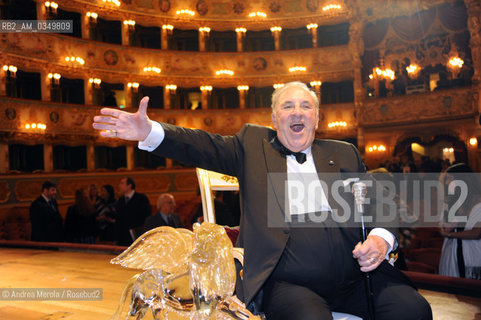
{"x":30,"y":268}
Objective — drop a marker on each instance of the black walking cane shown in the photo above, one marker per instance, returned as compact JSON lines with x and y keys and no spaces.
{"x":359,"y":191}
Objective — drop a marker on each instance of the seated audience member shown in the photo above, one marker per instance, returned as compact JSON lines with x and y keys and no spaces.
{"x":132,"y":210}
{"x":461,"y":252}
{"x":106,"y":213}
{"x":44,"y":215}
{"x":80,"y":220}
{"x":165,"y":215}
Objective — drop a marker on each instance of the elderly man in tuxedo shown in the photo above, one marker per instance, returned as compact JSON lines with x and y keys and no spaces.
{"x":45,"y":218}
{"x":165,"y":215}
{"x":291,"y":271}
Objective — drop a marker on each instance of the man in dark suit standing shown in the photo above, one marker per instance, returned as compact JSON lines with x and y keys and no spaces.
{"x":132,"y":210}
{"x":45,"y":218}
{"x":165,"y":215}
{"x":290,"y":271}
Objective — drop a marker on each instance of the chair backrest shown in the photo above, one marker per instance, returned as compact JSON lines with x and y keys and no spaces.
{"x":213,"y":181}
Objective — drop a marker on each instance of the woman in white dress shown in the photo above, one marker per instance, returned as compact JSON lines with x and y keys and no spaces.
{"x":461,"y":252}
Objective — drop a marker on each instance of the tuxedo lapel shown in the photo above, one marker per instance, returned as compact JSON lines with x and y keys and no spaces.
{"x":276,"y":177}
{"x":327,"y":166}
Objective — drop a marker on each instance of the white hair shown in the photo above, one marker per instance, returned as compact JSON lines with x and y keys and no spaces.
{"x":300,"y":85}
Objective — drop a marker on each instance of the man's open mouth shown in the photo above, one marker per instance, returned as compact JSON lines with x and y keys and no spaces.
{"x":297,"y":127}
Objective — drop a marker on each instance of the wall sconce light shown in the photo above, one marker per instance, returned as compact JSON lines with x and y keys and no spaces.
{"x":379,"y":73}
{"x":257,"y":14}
{"x":311,"y":26}
{"x":54,"y":78}
{"x":331,"y":7}
{"x":206,"y":88}
{"x":224,"y":72}
{"x":243,"y":88}
{"x":240,"y":30}
{"x":185,"y":12}
{"x":413,"y":71}
{"x":297,"y":69}
{"x":454,"y":65}
{"x":134,"y":86}
{"x":11,"y":71}
{"x":152,"y":69}
{"x":116,"y":2}
{"x":168,"y":27}
{"x":278,"y":85}
{"x":51,"y":7}
{"x":376,"y":148}
{"x":204,"y":29}
{"x":38,"y":127}
{"x":130,"y":25}
{"x":315,"y":83}
{"x":171,"y":88}
{"x":92,"y":16}
{"x":473,"y":141}
{"x":337,"y":124}
{"x":75,"y":60}
{"x":95,"y":82}
{"x":276,"y":29}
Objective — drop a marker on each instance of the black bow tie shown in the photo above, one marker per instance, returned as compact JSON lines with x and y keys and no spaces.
{"x":300,"y":156}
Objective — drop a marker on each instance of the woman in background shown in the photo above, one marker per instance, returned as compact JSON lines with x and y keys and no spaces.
{"x":461,"y":252}
{"x":106,"y":213}
{"x":80,"y":220}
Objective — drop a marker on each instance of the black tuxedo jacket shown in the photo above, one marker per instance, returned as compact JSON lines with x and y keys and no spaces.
{"x":261,"y":170}
{"x":46,"y":222}
{"x":131,"y":215}
{"x":158,"y":221}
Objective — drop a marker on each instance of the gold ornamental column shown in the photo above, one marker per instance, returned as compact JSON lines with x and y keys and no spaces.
{"x":474,"y":26}
{"x":130,"y":156}
{"x":166,"y":31}
{"x":276,"y":32}
{"x":169,"y":89}
{"x":203,"y":36}
{"x":317,"y":87}
{"x":242,"y":95}
{"x":128,"y":27}
{"x":45,"y":85}
{"x":312,"y":29}
{"x":41,"y":11}
{"x":91,"y":156}
{"x":204,"y":98}
{"x":240,"y":33}
{"x":88,"y":91}
{"x":4,"y":161}
{"x":84,"y":24}
{"x":356,"y":48}
{"x":47,"y":157}
{"x":3,"y":82}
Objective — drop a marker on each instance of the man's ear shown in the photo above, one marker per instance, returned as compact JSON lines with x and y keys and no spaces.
{"x":274,"y":122}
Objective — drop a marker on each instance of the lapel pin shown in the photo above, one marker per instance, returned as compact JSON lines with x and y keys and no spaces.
{"x":331,"y":162}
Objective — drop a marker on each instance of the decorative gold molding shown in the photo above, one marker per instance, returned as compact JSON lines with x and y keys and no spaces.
{"x":4,"y":191}
{"x":418,"y":108}
{"x":187,"y":69}
{"x":219,"y":15}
